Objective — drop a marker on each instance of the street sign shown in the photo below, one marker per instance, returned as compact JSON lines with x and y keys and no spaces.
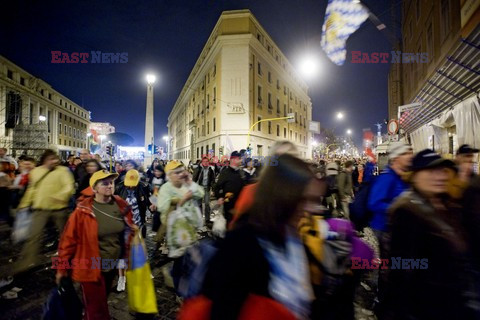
{"x":314,"y":126}
{"x":392,"y":126}
{"x":409,"y":107}
{"x":291,"y":117}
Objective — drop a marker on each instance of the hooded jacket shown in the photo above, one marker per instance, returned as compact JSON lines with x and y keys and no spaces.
{"x":79,"y":239}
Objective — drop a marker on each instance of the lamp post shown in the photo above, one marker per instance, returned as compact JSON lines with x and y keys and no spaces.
{"x":149,"y":140}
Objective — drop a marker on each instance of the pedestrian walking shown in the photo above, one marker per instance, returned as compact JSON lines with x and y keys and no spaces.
{"x":204,"y":176}
{"x":98,"y":232}
{"x":137,"y":195}
{"x":50,"y":188}
{"x":427,"y":228}
{"x":345,"y":187}
{"x":229,"y":185}
{"x":263,"y":256}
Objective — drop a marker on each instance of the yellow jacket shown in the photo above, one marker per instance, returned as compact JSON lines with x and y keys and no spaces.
{"x":52,"y":192}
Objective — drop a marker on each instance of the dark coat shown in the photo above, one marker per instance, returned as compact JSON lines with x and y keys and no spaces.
{"x":230,"y":180}
{"x":198,"y":176}
{"x":142,"y":192}
{"x":419,"y":231}
{"x":238,"y":269}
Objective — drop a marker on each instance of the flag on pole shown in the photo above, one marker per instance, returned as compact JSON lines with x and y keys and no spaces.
{"x":342,"y":18}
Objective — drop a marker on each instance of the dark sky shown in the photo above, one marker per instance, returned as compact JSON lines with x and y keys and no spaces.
{"x":166,"y":37}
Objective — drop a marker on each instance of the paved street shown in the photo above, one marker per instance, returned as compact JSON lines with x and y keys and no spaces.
{"x":37,"y":284}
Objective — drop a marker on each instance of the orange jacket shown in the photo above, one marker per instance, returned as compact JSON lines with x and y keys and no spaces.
{"x":79,"y":240}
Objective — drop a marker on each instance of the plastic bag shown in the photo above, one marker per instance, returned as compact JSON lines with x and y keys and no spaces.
{"x":140,"y":289}
{"x":21,"y":226}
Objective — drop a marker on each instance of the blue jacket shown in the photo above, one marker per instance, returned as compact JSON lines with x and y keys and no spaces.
{"x":386,"y":188}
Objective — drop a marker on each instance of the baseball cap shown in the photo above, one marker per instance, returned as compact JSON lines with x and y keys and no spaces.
{"x":132,"y":177}
{"x":465,"y":149}
{"x":396,"y":149}
{"x":100,"y":175}
{"x":427,"y":159}
{"x":172,"y":165}
{"x":235,"y":154}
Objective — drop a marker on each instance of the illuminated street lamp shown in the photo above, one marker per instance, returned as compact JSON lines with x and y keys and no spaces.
{"x":309,"y":67}
{"x":349,"y":131}
{"x":42,"y":118}
{"x":340,"y":115}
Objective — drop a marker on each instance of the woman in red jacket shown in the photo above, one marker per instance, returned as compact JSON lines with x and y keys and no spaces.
{"x":95,"y":237}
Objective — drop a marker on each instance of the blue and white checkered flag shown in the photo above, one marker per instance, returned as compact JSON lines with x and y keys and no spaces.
{"x":342,"y":18}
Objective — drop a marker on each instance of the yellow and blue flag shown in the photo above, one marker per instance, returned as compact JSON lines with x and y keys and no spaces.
{"x":140,"y":289}
{"x":342,"y":18}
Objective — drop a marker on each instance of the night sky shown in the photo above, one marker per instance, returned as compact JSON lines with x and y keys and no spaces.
{"x":166,"y":38}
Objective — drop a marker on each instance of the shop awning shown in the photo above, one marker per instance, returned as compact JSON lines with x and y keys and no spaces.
{"x":457,"y":79}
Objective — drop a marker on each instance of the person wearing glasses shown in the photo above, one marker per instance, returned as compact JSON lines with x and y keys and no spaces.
{"x":100,"y":228}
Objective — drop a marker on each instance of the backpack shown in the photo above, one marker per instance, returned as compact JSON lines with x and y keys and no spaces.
{"x":360,"y":215}
{"x":195,"y":264}
{"x":332,"y":184}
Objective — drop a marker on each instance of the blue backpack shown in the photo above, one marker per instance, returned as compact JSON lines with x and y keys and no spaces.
{"x":360,"y":215}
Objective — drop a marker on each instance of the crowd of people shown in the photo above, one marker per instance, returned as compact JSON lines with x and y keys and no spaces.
{"x":294,"y":245}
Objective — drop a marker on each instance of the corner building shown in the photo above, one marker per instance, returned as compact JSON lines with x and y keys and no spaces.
{"x":240,"y":77}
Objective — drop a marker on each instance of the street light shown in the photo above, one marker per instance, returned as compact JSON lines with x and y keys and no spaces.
{"x":151,"y":79}
{"x":349,"y":131}
{"x":308,"y":67}
{"x":42,"y":118}
{"x":340,"y":115}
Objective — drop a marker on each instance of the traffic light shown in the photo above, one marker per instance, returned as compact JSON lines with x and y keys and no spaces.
{"x":109,"y":150}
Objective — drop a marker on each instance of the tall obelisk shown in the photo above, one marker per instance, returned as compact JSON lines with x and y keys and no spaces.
{"x":149,"y":140}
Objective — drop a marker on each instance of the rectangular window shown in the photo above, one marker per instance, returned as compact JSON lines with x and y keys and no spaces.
{"x":202,"y":151}
{"x":208,"y":127}
{"x":214,"y":124}
{"x":31,"y":113}
{"x":259,"y":69}
{"x":214,"y":70}
{"x":285,"y":110}
{"x":59,"y":128}
{"x":291,"y":134}
{"x":269,"y":77}
{"x":278,"y":105}
{"x":269,"y":127}
{"x":49,"y":120}
{"x":213,"y":148}
{"x":214,"y":96}
{"x":22,"y":81}
{"x":278,"y":130}
{"x":260,"y":150}
{"x":270,"y":101}
{"x":285,"y":133}
{"x":278,"y":84}
{"x":259,"y":125}
{"x":259,"y":95}
{"x":10,"y":74}
{"x":65,"y":131}
{"x":198,"y":151}
{"x":50,"y":96}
